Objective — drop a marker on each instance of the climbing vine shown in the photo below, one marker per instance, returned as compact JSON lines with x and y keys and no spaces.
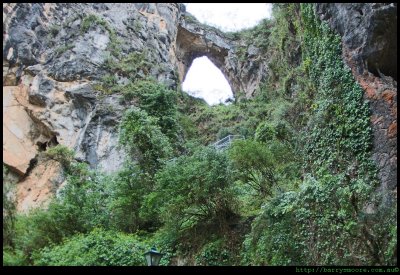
{"x":338,"y":135}
{"x":325,"y":220}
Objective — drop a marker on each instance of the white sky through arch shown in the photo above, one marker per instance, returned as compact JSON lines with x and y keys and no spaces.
{"x":204,"y":79}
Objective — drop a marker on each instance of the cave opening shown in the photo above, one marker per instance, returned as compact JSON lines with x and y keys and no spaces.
{"x":204,"y":80}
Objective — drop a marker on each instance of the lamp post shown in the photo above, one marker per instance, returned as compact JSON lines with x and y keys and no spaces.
{"x":153,"y":257}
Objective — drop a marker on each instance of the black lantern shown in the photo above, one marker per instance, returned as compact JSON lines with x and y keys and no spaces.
{"x":153,"y":257}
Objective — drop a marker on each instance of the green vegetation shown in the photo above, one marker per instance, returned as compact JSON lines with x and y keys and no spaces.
{"x":143,"y":138}
{"x":61,"y":153}
{"x":195,"y":190}
{"x":300,"y":189}
{"x":62,"y":49}
{"x":302,"y":225}
{"x":134,"y":65}
{"x":190,"y":18}
{"x":54,"y":30}
{"x":97,"y":248}
{"x":94,"y":20}
{"x":159,"y":102}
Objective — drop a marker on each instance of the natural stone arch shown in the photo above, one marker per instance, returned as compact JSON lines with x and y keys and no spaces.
{"x":194,"y":41}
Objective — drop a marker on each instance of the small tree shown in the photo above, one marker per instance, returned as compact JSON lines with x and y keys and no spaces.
{"x":256,"y":165}
{"x":141,"y":135}
{"x":62,"y":154}
{"x":196,"y":190}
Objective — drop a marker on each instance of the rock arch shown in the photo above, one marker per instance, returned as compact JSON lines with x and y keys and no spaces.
{"x":196,"y":40}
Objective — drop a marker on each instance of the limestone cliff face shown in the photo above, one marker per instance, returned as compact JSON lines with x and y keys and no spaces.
{"x":55,"y":54}
{"x":50,"y":66}
{"x":369,"y":38}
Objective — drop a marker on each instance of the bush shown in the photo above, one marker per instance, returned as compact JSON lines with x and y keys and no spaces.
{"x":13,"y":257}
{"x":54,"y":30}
{"x":214,"y":254}
{"x":142,"y":136}
{"x":93,"y":20}
{"x":135,"y":65}
{"x":195,"y":191}
{"x":90,"y":20}
{"x":108,"y":85}
{"x":62,"y":154}
{"x":129,"y":187}
{"x":79,"y":207}
{"x":256,"y":165}
{"x":62,"y":49}
{"x":314,"y":225}
{"x":97,"y":248}
{"x":158,"y":101}
{"x":39,"y":229}
{"x":267,"y":131}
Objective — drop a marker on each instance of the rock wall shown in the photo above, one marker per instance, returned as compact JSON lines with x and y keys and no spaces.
{"x":51,"y":64}
{"x":369,"y":38}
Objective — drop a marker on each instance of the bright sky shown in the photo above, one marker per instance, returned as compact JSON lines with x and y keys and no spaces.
{"x":204,"y":79}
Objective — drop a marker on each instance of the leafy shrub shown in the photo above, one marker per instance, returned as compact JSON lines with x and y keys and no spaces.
{"x":61,"y":153}
{"x":214,"y":254}
{"x":158,"y":101}
{"x":195,"y":191}
{"x":224,"y":132}
{"x":142,"y":136}
{"x":135,"y":65}
{"x":256,"y":165}
{"x":91,"y":20}
{"x":267,"y":131}
{"x":54,"y":30}
{"x":97,"y":248}
{"x":13,"y":257}
{"x":302,"y":227}
{"x":108,"y":84}
{"x":40,"y":228}
{"x":62,"y":49}
{"x":188,"y":127}
{"x":95,"y":20}
{"x":78,"y":208}
{"x":129,"y":187}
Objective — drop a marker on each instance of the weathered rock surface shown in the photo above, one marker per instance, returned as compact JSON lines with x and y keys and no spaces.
{"x":39,"y":186}
{"x":18,"y":146}
{"x":369,"y":37}
{"x":369,"y":32}
{"x":51,"y":63}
